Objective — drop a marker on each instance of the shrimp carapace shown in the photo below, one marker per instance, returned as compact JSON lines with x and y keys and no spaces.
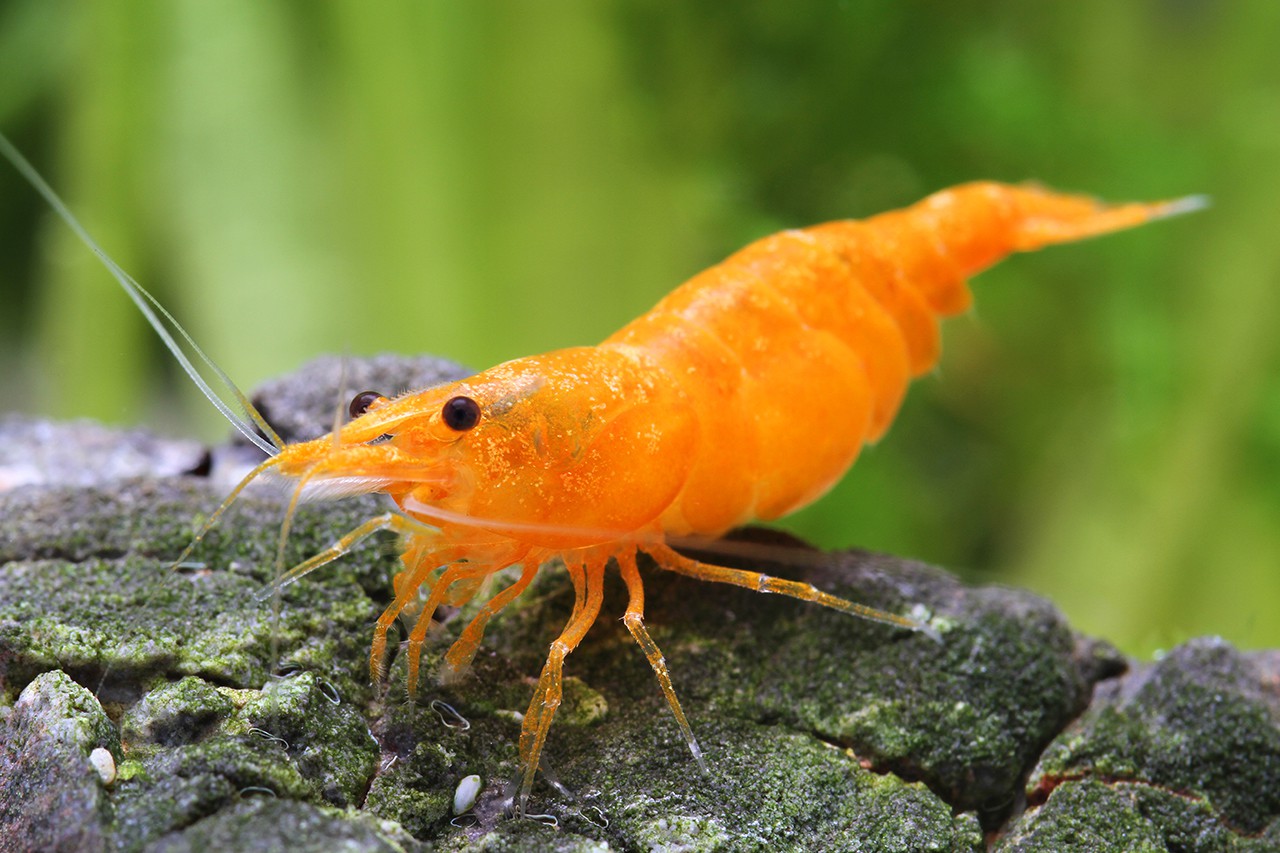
{"x":744,"y":394}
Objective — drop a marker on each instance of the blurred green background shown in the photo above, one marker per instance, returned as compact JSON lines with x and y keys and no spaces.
{"x":488,"y":180}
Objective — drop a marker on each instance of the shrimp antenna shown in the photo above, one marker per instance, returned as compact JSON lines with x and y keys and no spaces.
{"x":248,"y":420}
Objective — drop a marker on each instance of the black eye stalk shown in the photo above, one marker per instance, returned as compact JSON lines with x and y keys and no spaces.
{"x":361,"y":402}
{"x":461,"y":413}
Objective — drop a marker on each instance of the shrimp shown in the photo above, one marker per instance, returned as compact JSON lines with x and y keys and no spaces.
{"x":743,"y":395}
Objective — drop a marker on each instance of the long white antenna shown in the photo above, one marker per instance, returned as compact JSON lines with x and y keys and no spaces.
{"x":248,"y":417}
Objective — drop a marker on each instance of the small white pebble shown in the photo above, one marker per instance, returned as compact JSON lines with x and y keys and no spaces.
{"x":465,"y":797}
{"x":104,"y":763}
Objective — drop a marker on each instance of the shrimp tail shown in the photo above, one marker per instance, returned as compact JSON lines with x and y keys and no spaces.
{"x":959,"y":232}
{"x":917,"y":261}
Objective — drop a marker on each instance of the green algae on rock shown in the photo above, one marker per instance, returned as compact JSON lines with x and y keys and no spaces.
{"x":87,"y":588}
{"x":240,"y":726}
{"x":266,"y":824}
{"x":1136,"y":817}
{"x":1185,"y":748}
{"x":190,"y":742}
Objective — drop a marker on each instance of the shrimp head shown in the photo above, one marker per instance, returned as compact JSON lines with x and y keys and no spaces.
{"x":565,"y":450}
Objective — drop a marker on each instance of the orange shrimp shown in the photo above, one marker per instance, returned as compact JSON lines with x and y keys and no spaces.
{"x":744,"y":394}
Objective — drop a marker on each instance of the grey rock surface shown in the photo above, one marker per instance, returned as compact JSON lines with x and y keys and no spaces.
{"x":35,"y":452}
{"x":51,"y":796}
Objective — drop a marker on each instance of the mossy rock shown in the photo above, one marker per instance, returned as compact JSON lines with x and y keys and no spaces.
{"x":248,"y":722}
{"x":1181,"y":754}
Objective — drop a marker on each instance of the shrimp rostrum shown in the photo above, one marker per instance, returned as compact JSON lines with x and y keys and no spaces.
{"x":744,"y":395}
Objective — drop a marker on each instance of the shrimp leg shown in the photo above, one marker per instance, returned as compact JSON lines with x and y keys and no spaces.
{"x":548,"y":694}
{"x":451,"y":575}
{"x":386,"y":521}
{"x":463,"y":650}
{"x":405,"y":591}
{"x":634,"y":620}
{"x":674,"y":562}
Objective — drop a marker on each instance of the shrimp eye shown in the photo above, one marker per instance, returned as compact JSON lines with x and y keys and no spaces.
{"x":461,"y":413}
{"x":361,"y":402}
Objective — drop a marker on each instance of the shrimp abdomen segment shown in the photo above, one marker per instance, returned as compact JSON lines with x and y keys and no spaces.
{"x":753,"y":370}
{"x":798,"y":349}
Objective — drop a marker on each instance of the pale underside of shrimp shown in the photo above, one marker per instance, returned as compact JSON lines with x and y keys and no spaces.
{"x":744,"y":394}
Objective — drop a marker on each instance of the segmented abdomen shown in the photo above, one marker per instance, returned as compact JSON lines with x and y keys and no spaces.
{"x":797,"y":350}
